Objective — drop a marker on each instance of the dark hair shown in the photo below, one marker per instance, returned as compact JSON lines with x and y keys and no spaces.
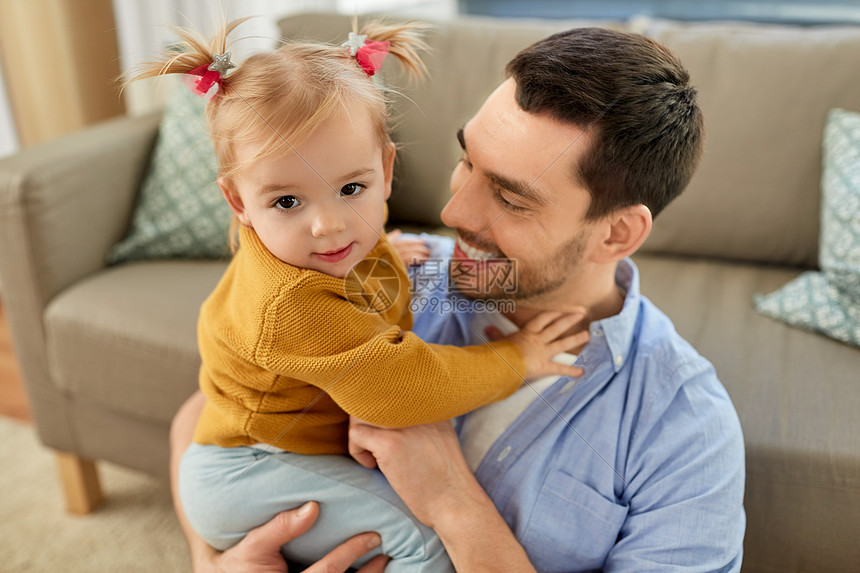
{"x":633,"y":95}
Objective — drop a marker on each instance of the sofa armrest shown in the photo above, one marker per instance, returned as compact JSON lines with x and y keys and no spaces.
{"x":65,"y":203}
{"x":62,"y":205}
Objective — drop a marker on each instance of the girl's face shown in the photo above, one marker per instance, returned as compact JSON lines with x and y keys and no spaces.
{"x":321,"y":207}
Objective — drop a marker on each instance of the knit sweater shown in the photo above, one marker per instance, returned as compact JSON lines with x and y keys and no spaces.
{"x":287,"y":357}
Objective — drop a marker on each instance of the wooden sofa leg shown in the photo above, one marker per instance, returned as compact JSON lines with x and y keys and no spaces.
{"x":80,"y":480}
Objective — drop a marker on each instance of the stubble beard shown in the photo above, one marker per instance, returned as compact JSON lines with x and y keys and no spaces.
{"x":534,"y":281}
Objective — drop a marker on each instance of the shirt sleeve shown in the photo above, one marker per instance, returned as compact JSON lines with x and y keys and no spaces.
{"x":376,"y":371}
{"x":686,"y":484}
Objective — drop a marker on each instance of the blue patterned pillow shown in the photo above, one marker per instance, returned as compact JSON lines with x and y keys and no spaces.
{"x":180,"y":212}
{"x":829,"y":301}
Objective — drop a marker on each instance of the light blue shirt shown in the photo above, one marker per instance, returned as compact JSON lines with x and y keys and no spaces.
{"x":637,"y":467}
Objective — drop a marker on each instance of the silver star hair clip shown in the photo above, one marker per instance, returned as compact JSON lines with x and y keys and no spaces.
{"x":354,"y":42}
{"x":221,"y":63}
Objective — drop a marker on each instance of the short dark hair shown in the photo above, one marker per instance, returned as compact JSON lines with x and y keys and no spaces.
{"x":648,"y":130}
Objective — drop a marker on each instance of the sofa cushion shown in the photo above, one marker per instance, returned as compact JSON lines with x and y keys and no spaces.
{"x":180,"y":212}
{"x":765,"y":92}
{"x":127,"y":337}
{"x":796,"y":396}
{"x":829,"y":301}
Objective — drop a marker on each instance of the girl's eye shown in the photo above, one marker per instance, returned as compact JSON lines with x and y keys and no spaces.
{"x":287,"y":202}
{"x":351,"y":189}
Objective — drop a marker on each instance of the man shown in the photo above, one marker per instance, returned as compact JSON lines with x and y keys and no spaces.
{"x":639,"y":464}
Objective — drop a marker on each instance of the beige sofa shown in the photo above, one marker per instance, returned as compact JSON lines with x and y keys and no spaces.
{"x":109,"y":354}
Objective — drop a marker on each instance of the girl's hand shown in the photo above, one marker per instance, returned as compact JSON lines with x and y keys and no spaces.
{"x":543,"y":337}
{"x":412,"y":251}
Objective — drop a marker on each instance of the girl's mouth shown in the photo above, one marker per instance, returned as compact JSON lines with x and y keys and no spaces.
{"x":336,"y":255}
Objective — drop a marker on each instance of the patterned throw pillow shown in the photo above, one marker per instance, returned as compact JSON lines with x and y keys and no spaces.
{"x":829,"y":301}
{"x":180,"y":212}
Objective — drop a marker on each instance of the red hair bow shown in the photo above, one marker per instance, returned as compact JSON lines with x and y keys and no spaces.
{"x":201,"y":79}
{"x":371,"y":55}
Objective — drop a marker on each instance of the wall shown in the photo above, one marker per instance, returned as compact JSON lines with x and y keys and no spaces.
{"x":60,"y":62}
{"x":802,"y":12}
{"x":8,"y":136}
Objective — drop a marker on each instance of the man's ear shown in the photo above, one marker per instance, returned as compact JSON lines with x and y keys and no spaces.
{"x":234,"y":200}
{"x":624,"y":232}
{"x":388,"y":153}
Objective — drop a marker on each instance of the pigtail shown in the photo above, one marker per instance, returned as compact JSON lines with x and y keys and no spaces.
{"x":406,"y":40}
{"x":191,"y":52}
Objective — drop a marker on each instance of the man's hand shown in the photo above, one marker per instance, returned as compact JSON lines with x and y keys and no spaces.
{"x":424,"y":465}
{"x":260,"y":550}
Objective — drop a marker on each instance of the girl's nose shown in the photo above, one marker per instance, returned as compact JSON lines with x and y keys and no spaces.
{"x":328,"y":222}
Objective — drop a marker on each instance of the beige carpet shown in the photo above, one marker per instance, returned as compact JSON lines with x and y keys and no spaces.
{"x":135,"y":530}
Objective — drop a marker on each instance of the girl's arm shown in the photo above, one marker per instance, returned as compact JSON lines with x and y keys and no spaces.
{"x":392,"y":378}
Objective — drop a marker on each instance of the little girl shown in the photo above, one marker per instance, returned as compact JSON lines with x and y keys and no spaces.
{"x":305,"y":162}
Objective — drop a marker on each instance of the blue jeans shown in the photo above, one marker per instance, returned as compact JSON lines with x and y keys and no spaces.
{"x":226,"y":492}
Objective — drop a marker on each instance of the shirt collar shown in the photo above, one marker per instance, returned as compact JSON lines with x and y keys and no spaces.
{"x":619,"y":329}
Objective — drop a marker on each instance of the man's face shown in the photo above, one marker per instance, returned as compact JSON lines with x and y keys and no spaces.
{"x":515,"y":199}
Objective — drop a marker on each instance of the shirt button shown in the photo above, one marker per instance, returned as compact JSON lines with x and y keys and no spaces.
{"x":596,"y":332}
{"x":619,"y":360}
{"x":504,"y":454}
{"x":568,"y":386}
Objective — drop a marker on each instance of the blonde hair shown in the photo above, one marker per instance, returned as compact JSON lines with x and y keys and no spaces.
{"x":289,"y":92}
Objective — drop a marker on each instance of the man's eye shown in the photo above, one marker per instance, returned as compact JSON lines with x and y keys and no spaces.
{"x":508,"y":205}
{"x":351,"y":189}
{"x":466,"y":163}
{"x":287,"y":202}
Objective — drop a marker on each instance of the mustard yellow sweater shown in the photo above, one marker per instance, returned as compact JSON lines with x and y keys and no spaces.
{"x":287,"y":356}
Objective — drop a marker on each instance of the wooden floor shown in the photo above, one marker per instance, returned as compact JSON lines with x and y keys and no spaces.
{"x":13,"y":398}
